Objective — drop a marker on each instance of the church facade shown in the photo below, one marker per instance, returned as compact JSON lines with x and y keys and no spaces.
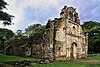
{"x":64,"y":38}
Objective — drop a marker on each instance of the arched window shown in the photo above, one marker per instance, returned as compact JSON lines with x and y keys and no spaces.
{"x":59,"y":48}
{"x":73,"y":27}
{"x":74,"y":30}
{"x":64,"y":29}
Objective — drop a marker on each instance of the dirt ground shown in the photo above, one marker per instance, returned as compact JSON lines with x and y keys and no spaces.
{"x":88,"y":61}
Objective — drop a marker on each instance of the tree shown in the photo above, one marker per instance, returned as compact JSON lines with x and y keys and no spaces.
{"x":36,"y":32}
{"x":90,"y":24}
{"x":32,"y":29}
{"x":17,"y":45}
{"x":5,"y":34}
{"x":19,"y":32}
{"x":5,"y":17}
{"x":35,"y":28}
{"x":93,"y":29}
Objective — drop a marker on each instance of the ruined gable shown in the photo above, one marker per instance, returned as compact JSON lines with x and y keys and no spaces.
{"x":65,"y":39}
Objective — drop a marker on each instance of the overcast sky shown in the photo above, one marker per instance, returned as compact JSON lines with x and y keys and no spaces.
{"x":28,"y":12}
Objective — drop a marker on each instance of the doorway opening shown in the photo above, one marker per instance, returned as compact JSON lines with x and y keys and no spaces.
{"x":74,"y":50}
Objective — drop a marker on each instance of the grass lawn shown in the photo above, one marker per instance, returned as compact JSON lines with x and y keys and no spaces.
{"x":71,"y":63}
{"x":5,"y":58}
{"x":94,"y":57}
{"x":66,"y":64}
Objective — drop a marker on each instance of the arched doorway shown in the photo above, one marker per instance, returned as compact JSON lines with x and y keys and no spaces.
{"x":74,"y":51}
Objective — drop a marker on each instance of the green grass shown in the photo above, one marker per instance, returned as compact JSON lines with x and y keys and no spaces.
{"x":71,"y":63}
{"x":7,"y":58}
{"x":66,"y":64}
{"x":94,"y":57}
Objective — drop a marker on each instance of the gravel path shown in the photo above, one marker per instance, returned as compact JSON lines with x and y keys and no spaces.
{"x":89,"y":61}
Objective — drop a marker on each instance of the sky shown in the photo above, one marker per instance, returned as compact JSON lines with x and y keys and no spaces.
{"x":28,"y":12}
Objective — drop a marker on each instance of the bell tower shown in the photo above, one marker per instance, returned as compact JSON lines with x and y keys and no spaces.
{"x":73,"y":31}
{"x":70,"y":14}
{"x":64,"y":36}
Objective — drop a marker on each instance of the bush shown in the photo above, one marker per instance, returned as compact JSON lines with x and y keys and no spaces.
{"x":5,"y":65}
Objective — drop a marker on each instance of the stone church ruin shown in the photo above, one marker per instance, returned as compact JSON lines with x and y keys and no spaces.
{"x":64,"y":38}
{"x":61,"y":39}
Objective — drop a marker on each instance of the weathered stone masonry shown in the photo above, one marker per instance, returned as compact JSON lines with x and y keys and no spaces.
{"x":64,"y":38}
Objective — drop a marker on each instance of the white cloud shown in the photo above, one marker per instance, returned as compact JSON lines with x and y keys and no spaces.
{"x":15,"y":10}
{"x":41,"y":3}
{"x":42,"y":8}
{"x":35,"y":22}
{"x":46,"y":9}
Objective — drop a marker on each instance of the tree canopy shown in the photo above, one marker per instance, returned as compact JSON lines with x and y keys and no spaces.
{"x":36,"y":31}
{"x":5,"y":17}
{"x":5,"y":34}
{"x":93,"y":30}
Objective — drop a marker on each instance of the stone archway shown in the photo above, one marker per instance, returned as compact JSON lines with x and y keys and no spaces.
{"x":74,"y":50}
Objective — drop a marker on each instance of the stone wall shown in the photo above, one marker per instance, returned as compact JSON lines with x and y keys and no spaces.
{"x":63,"y":32}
